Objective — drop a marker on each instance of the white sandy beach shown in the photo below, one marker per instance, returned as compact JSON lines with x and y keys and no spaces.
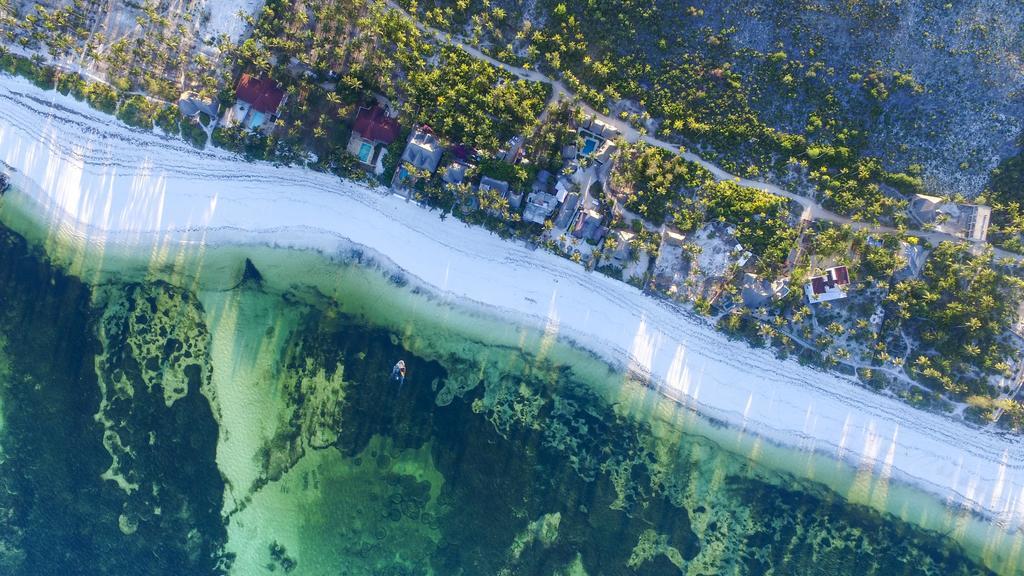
{"x":112,"y":184}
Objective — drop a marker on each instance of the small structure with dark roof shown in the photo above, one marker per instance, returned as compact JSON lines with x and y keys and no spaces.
{"x":191,"y":104}
{"x":540,"y":185}
{"x":567,"y":212}
{"x":499,"y":186}
{"x":588,"y":226}
{"x":372,"y":130}
{"x":831,"y":285}
{"x":257,"y":103}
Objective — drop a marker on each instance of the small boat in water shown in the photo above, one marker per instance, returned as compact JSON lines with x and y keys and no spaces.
{"x":398,"y":372}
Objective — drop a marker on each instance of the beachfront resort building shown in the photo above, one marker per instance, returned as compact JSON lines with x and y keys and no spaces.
{"x":421,"y":156}
{"x":492,"y":186}
{"x":596,"y":137}
{"x":588,"y":226}
{"x":539,"y":206}
{"x":756,"y":291}
{"x":540,"y":203}
{"x":567,"y":212}
{"x":831,"y":285}
{"x":455,"y":173}
{"x":969,"y":221}
{"x":372,"y":131}
{"x":191,"y":105}
{"x":258,"y":104}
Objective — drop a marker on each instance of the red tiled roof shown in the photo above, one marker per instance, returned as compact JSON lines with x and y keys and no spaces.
{"x":373,"y":124}
{"x":263,"y":94}
{"x":838,"y":276}
{"x":841,"y":275}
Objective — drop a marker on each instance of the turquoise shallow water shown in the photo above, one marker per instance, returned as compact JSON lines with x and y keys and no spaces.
{"x":194,"y":415}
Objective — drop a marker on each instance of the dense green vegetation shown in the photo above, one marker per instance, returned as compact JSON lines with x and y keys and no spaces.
{"x":472,"y":102}
{"x":659,"y":185}
{"x":761,"y":219}
{"x":544,"y":147}
{"x":961,"y":307}
{"x":345,"y":51}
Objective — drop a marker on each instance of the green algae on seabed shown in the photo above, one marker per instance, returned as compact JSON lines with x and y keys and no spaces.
{"x":364,"y":514}
{"x":57,"y":513}
{"x":518,"y":425}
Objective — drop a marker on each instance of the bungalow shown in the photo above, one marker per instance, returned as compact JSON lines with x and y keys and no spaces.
{"x":541,"y":184}
{"x":372,"y":131}
{"x":422,"y":154}
{"x":618,"y":249}
{"x":968,"y":221}
{"x":423,"y":151}
{"x":563,"y":186}
{"x":258,"y":102}
{"x":831,"y":285}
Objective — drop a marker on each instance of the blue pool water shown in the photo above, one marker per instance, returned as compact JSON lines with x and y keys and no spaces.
{"x":589,"y":145}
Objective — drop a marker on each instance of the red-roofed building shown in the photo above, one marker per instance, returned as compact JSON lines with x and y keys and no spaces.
{"x":372,"y":129}
{"x":257,"y":102}
{"x":375,"y":125}
{"x":829,"y":286}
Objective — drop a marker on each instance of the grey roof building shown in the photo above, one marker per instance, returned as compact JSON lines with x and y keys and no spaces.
{"x":423,"y":150}
{"x":968,"y":221}
{"x":191,"y":104}
{"x":488,"y":183}
{"x":455,"y":173}
{"x":567,"y":212}
{"x":540,"y":185}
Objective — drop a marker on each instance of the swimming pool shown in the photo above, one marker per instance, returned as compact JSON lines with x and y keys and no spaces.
{"x":256,"y":120}
{"x":589,"y":145}
{"x":365,"y":150}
